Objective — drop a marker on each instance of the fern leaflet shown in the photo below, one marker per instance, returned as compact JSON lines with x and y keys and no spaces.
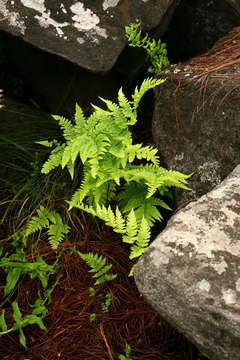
{"x":98,"y":266}
{"x":50,"y":220}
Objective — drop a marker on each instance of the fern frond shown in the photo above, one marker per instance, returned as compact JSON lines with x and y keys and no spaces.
{"x":48,"y":219}
{"x":98,"y":266}
{"x":134,"y":197}
{"x":54,"y":160}
{"x":106,"y":303}
{"x":131,"y":228}
{"x":79,"y":120}
{"x":57,"y":230}
{"x":88,"y":184}
{"x":146,"y":85}
{"x":112,"y":107}
{"x":39,"y":222}
{"x":142,"y":240}
{"x":126,"y":107}
{"x":120,"y":226}
{"x":148,"y":153}
{"x":143,"y":152}
{"x":96,"y":118}
{"x":48,"y":143}
{"x":66,"y":126}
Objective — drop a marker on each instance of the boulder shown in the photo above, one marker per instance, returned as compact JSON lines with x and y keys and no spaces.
{"x":196,"y":26}
{"x":88,"y":33}
{"x":190,"y":274}
{"x":196,"y":120}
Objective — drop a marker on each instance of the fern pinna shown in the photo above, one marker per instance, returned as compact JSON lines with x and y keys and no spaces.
{"x":104,"y":144}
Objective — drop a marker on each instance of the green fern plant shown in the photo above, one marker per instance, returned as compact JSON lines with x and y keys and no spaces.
{"x":103,"y":142}
{"x":98,"y":267}
{"x":51,"y":220}
{"x":156,"y":50}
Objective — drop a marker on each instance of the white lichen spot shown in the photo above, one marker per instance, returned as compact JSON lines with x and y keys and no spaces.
{"x":209,"y":172}
{"x":204,"y":285}
{"x":159,"y":258}
{"x":80,"y":40}
{"x":101,"y":32}
{"x":45,"y":20}
{"x":179,"y":157}
{"x":37,"y":5}
{"x":220,"y":267}
{"x":84,"y":19}
{"x":229,"y":296}
{"x":62,"y":7}
{"x":109,"y":3}
{"x":12,"y":17}
{"x":238,"y":285}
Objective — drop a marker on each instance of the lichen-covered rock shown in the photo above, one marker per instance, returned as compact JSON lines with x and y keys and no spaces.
{"x":191,"y":273}
{"x":89,"y":33}
{"x":196,"y":121}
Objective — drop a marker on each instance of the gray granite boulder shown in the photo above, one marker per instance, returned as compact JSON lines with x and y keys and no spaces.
{"x":196,"y":121}
{"x":89,"y":33}
{"x":191,"y":272}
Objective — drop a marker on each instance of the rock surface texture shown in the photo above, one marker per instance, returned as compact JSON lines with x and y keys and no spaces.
{"x":196,"y":121}
{"x":89,"y":33}
{"x":191,"y":273}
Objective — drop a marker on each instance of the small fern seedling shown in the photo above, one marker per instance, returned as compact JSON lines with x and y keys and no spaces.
{"x":51,"y":220}
{"x":98,"y":266}
{"x":106,"y":303}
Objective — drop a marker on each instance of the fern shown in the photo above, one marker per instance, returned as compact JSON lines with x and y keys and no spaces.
{"x":146,"y":85}
{"x":106,"y":303}
{"x":50,"y":220}
{"x":39,"y":222}
{"x":57,"y":230}
{"x":104,"y":144}
{"x":134,"y":196}
{"x":157,"y":52}
{"x":132,"y":231}
{"x":98,"y":266}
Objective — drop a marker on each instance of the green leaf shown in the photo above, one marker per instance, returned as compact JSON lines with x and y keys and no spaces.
{"x":12,"y":279}
{"x":93,"y":317}
{"x":2,"y":321}
{"x":92,"y":291}
{"x":22,"y":338}
{"x":17,"y":315}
